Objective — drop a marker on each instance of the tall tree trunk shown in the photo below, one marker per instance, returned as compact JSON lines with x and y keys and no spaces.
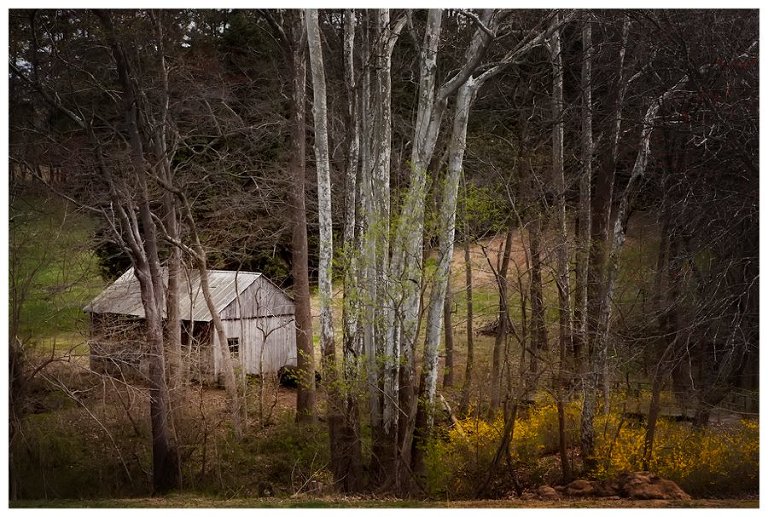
{"x":538,"y":320}
{"x":165,"y":472}
{"x":389,"y":357}
{"x":349,"y":469}
{"x":305,"y":353}
{"x":322,"y":159}
{"x":600,"y":218}
{"x":469,"y":371}
{"x":446,"y":232}
{"x":563,"y":273}
{"x":226,"y":365}
{"x":503,"y":329}
{"x":409,"y":234}
{"x":173,"y":326}
{"x":405,"y":272}
{"x":176,"y":366}
{"x":325,"y":267}
{"x":448,"y":331}
{"x":405,"y":267}
{"x":368,"y":227}
{"x":620,"y":223}
{"x":376,"y":311}
{"x":585,"y":194}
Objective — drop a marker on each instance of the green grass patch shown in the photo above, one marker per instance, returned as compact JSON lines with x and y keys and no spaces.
{"x":53,"y":272}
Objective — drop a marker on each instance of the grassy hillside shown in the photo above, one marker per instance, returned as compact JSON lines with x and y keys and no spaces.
{"x":53,"y":272}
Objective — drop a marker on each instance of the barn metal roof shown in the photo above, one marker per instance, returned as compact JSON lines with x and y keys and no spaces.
{"x":124,"y":295}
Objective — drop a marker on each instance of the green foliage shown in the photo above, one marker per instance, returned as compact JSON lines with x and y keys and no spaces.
{"x":481,"y":211}
{"x":52,"y":271}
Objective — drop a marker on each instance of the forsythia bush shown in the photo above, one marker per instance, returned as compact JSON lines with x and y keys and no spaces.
{"x":710,"y":461}
{"x":457,"y":464}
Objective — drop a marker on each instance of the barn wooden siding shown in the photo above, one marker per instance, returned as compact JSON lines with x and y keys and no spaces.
{"x":262,"y":318}
{"x":253,"y":310}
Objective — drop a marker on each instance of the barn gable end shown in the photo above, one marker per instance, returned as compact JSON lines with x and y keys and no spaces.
{"x":258,"y":319}
{"x":261,"y":299}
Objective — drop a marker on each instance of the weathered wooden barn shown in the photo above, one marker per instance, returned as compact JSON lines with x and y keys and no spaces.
{"x":257,"y":316}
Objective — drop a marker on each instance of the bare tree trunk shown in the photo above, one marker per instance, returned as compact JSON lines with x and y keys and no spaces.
{"x":446,"y":232}
{"x":409,"y":234}
{"x":538,"y":320}
{"x":165,"y":460}
{"x":350,"y":455}
{"x":325,"y":267}
{"x":469,"y":371}
{"x":585,"y":195}
{"x":405,"y":266}
{"x":322,"y":155}
{"x":377,"y":310}
{"x":622,"y":215}
{"x":600,"y":214}
{"x":619,"y":227}
{"x":474,"y":84}
{"x":305,"y":351}
{"x":667,"y":288}
{"x":368,"y":227}
{"x":503,"y":328}
{"x":390,"y":358}
{"x":351,"y":306}
{"x":165,"y":472}
{"x":448,"y":331}
{"x":173,"y":325}
{"x":563,"y":277}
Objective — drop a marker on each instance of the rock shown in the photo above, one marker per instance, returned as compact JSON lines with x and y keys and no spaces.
{"x":547,"y":493}
{"x":610,"y":489}
{"x":580,"y":488}
{"x":645,"y":485}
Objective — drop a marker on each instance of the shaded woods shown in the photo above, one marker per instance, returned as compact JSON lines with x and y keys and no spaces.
{"x":522,"y":245}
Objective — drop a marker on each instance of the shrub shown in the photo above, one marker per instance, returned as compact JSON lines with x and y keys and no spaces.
{"x":709,"y":461}
{"x":703,"y":461}
{"x":277,"y":460}
{"x":456,"y":464}
{"x":53,"y":459}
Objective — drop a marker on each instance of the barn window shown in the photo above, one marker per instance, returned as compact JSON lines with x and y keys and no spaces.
{"x":234,"y":346}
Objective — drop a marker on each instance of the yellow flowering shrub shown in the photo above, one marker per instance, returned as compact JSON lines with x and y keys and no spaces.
{"x":704,"y":462}
{"x":708,"y":461}
{"x":618,"y":445}
{"x":456,"y":463}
